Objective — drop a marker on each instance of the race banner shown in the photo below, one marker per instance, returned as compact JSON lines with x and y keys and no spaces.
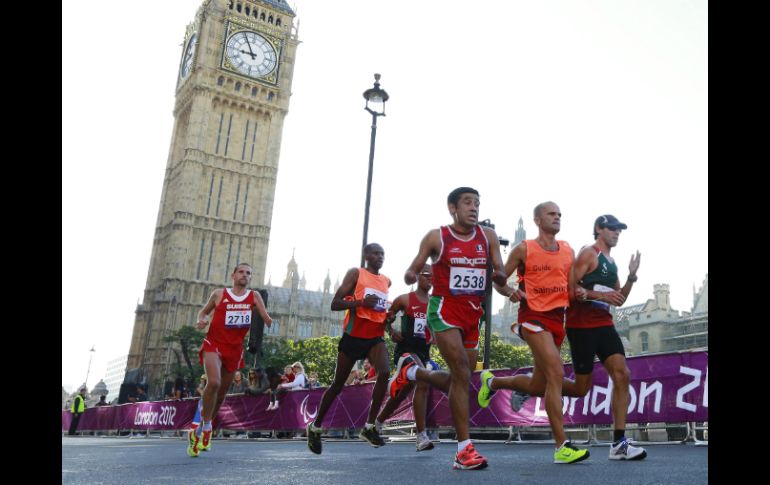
{"x":664,"y":388}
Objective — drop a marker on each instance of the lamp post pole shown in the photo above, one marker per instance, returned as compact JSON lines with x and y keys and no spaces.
{"x":488,"y":300}
{"x":89,"y":363}
{"x":375,"y":104}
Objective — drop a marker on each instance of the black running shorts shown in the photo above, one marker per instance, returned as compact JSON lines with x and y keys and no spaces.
{"x":357,"y":348}
{"x":586,"y":342}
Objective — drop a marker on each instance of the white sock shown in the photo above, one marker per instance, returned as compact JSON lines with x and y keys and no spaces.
{"x":462,"y":444}
{"x":369,"y":425}
{"x":565,"y":442}
{"x":377,"y":424}
{"x":411,"y":373}
{"x":423,"y":435}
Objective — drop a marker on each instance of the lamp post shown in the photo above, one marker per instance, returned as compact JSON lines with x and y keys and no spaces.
{"x":488,"y":300}
{"x":375,"y":104}
{"x":93,"y":349}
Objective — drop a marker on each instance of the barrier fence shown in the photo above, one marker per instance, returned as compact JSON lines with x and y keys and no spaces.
{"x":665,"y":388}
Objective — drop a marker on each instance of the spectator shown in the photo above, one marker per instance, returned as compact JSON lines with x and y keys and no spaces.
{"x":354,"y":377}
{"x":369,"y":373}
{"x":140,"y":394}
{"x":201,"y":385}
{"x":180,"y":389}
{"x":78,"y":407}
{"x":102,"y":401}
{"x":312,"y":382}
{"x":288,"y":375}
{"x":238,"y":386}
{"x":297,"y":383}
{"x":258,"y":382}
{"x":274,"y":378}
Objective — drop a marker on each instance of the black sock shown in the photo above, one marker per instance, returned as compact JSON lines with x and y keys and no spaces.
{"x":619,"y":434}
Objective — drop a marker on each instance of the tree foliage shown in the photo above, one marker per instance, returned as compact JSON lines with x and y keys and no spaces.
{"x":188,"y":338}
{"x":319,"y":355}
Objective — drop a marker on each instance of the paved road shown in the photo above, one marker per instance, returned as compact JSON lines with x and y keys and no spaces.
{"x":112,"y":460}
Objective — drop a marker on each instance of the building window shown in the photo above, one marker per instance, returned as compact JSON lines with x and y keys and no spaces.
{"x":335,"y":330}
{"x":305,"y":330}
{"x":274,"y":328}
{"x":220,"y":81}
{"x":645,"y":339}
{"x":238,"y":86}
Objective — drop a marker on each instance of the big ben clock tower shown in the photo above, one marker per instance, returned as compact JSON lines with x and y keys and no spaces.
{"x":232,"y":95}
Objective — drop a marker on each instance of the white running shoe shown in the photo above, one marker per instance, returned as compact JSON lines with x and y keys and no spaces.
{"x":423,"y":442}
{"x":624,"y":450}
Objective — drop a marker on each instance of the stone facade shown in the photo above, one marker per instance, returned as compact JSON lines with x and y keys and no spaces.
{"x":654,"y":326}
{"x":217,"y":201}
{"x":299,"y":314}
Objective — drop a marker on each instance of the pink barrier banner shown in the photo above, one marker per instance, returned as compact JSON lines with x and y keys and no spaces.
{"x":664,"y":388}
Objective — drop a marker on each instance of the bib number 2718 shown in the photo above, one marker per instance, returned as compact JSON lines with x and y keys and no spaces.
{"x":238,"y":319}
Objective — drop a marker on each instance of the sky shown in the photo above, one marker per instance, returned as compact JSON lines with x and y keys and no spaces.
{"x":600,"y":106}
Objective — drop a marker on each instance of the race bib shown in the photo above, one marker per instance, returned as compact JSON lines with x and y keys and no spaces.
{"x":467,"y":281}
{"x":600,"y":304}
{"x":419,"y":327}
{"x":382,"y":302}
{"x":238,"y":319}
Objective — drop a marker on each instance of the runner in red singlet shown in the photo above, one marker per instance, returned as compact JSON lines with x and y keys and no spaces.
{"x":460,"y":253}
{"x":222,"y":351}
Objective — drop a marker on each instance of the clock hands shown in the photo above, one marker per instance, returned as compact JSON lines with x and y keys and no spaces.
{"x":251,"y":52}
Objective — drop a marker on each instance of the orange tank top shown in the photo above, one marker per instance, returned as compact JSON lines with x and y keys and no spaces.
{"x":546,"y":276}
{"x":364,"y":322}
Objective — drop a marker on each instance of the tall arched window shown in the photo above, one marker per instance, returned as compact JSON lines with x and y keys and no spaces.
{"x":645,"y":339}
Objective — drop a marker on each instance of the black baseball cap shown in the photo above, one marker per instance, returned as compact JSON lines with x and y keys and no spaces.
{"x":609,"y":221}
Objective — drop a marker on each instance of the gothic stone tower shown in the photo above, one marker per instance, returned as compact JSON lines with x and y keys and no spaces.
{"x":233,"y":89}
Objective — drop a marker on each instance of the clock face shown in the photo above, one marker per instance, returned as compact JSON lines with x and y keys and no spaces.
{"x":187,"y":58}
{"x":251,"y":54}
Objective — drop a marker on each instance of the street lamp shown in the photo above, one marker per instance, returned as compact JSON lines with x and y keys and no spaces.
{"x":93,"y":349}
{"x":375,"y":104}
{"x":488,"y":300}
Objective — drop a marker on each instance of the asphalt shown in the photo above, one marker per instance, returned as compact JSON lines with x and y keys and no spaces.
{"x":113,"y":460}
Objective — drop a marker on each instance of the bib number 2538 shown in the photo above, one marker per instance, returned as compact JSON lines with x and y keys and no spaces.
{"x":467,"y":281}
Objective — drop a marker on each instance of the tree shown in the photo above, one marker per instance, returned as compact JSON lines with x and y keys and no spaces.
{"x":503,"y":355}
{"x":188,"y":338}
{"x":319,"y":355}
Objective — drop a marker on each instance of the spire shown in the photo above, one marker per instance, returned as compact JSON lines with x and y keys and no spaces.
{"x":303,"y":281}
{"x":327,"y":282}
{"x":294,"y":281}
{"x":521,"y":234}
{"x":291,"y":270}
